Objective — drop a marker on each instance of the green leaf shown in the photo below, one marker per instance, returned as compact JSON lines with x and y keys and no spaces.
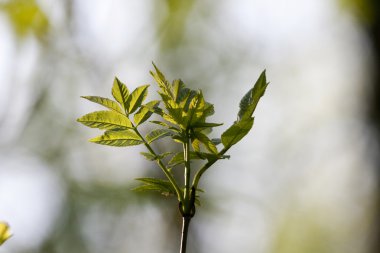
{"x":209,"y":110}
{"x":163,"y":155}
{"x":195,"y":143}
{"x":120,"y":92}
{"x":149,"y":156}
{"x":118,"y":138}
{"x":178,"y":158}
{"x":249,"y":102}
{"x":165,"y":116}
{"x":206,"y":125}
{"x":152,"y":157}
{"x":105,"y":120}
{"x":154,"y":184}
{"x":110,"y":104}
{"x":202,"y":138}
{"x":136,"y":98}
{"x":187,"y":97}
{"x":247,"y":107}
{"x":179,"y":90}
{"x":195,"y":109}
{"x":164,"y":85}
{"x":174,"y":129}
{"x":158,"y":134}
{"x":159,"y":123}
{"x":144,"y":112}
{"x":236,"y":132}
{"x":5,"y":232}
{"x":160,"y":76}
{"x":211,"y":156}
{"x":179,"y":138}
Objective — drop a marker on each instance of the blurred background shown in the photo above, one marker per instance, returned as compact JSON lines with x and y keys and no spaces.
{"x":306,"y":179}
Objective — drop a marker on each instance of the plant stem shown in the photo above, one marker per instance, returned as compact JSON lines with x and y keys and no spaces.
{"x":185,"y":229}
{"x":162,"y":166}
{"x":206,"y":166}
{"x":186,"y":154}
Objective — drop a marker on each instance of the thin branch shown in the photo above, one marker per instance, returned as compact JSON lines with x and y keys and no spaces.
{"x":161,"y":165}
{"x":206,"y":166}
{"x":186,"y":154}
{"x":185,"y":229}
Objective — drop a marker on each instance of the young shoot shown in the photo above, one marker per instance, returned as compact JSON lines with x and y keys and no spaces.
{"x":183,"y":117}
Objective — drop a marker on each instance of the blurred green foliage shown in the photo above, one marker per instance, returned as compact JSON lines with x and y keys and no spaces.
{"x":365,"y":10}
{"x":173,"y":21}
{"x":26,"y":17}
{"x":190,"y":44}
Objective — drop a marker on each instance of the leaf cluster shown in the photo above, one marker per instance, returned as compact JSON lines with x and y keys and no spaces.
{"x":183,"y":116}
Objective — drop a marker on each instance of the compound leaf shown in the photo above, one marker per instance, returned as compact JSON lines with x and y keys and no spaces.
{"x":105,"y":120}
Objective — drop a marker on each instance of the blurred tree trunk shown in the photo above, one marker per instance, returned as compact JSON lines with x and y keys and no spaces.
{"x":372,"y":29}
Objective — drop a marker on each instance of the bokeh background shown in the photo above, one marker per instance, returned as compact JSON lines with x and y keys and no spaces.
{"x":306,"y":179}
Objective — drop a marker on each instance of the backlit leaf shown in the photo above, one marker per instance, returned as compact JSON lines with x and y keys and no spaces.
{"x":188,"y":97}
{"x":149,"y":156}
{"x":105,"y":120}
{"x":159,"y":123}
{"x":136,"y":98}
{"x":144,"y":112}
{"x":249,"y":102}
{"x":176,"y":116}
{"x":178,"y":158}
{"x":170,"y":119}
{"x":208,"y":110}
{"x":152,"y":157}
{"x":110,"y":104}
{"x":5,"y":232}
{"x":206,"y":125}
{"x":158,"y":134}
{"x":154,"y":184}
{"x":118,"y":138}
{"x":208,"y":144}
{"x":164,"y":85}
{"x":179,"y":90}
{"x":236,"y":132}
{"x":120,"y":92}
{"x":196,"y":144}
{"x":211,"y":156}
